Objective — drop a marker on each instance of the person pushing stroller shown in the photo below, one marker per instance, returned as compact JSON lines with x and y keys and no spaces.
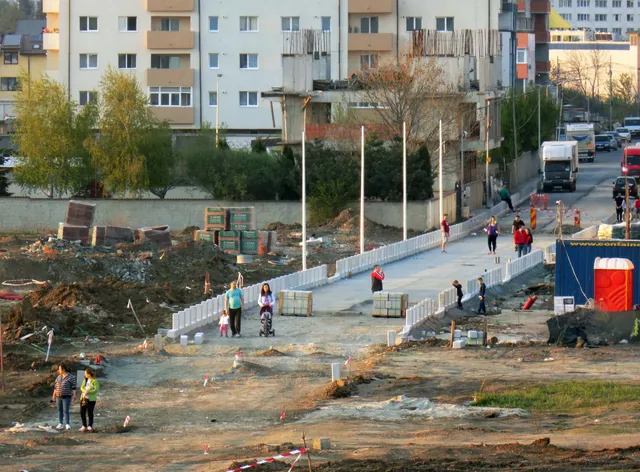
{"x":266,"y":301}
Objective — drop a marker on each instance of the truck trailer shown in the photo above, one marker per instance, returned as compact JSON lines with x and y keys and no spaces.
{"x":584,"y":134}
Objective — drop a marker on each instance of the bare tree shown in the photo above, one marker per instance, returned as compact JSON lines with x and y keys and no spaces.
{"x":584,"y":72}
{"x":625,"y":88}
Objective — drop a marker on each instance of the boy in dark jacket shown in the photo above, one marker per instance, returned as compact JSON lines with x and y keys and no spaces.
{"x":377,"y":276}
{"x":482,"y":309}
{"x":458,"y":287}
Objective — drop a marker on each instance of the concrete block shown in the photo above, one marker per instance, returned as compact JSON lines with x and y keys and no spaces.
{"x":459,"y":344}
{"x":199,"y":338}
{"x":163,"y":331}
{"x":472,"y":335}
{"x":157,"y":342}
{"x":322,"y":444}
{"x":172,"y":333}
{"x":391,"y":338}
{"x":457,"y":333}
{"x":184,"y":340}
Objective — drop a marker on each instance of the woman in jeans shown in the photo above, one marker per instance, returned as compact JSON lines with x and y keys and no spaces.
{"x":529,"y":240}
{"x":89,"y":389}
{"x":64,"y":392}
{"x":492,"y":231}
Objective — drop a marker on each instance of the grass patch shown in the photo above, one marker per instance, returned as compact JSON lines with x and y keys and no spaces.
{"x":562,"y":396}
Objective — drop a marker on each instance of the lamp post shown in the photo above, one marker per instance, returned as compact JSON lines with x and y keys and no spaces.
{"x":218,"y":109}
{"x":404,"y":181}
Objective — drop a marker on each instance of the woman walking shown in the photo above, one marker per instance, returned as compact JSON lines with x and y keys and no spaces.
{"x":233,"y":303}
{"x":89,"y":388}
{"x":265,"y":300}
{"x":529,"y":240}
{"x":492,"y":231}
{"x":64,"y":392}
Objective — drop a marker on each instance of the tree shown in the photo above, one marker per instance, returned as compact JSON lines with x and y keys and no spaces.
{"x":625,"y":88}
{"x":9,"y":15}
{"x":125,"y":124}
{"x":4,"y":182}
{"x":585,"y":72}
{"x":50,"y":132}
{"x":26,"y":7}
{"x":165,"y":169}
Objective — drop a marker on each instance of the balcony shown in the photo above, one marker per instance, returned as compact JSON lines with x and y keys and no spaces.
{"x":170,"y":39}
{"x":370,"y":6}
{"x":182,"y":6}
{"x":540,"y":6}
{"x":51,"y":41}
{"x":522,"y":5}
{"x":175,"y":115}
{"x":524,"y":25}
{"x":382,"y":42}
{"x":543,"y":67}
{"x":170,"y":77}
{"x":543,"y":37}
{"x":50,"y":6}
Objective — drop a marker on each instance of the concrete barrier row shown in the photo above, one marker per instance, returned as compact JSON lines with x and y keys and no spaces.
{"x":587,"y":233}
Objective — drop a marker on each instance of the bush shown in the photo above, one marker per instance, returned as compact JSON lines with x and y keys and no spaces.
{"x":328,"y":200}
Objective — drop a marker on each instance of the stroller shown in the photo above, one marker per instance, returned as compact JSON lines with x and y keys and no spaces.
{"x":266,"y":319}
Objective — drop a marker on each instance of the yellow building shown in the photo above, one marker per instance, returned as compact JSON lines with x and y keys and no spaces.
{"x":20,"y":52}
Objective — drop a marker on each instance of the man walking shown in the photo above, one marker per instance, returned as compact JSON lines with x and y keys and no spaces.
{"x":482,"y":309}
{"x":445,"y":231}
{"x":619,"y":201}
{"x":505,"y":196}
{"x":520,"y":241}
{"x":377,"y":276}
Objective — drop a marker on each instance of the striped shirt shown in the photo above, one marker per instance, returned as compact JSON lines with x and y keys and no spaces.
{"x":65,"y":386}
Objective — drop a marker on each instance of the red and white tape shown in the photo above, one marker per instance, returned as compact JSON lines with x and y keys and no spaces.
{"x":295,"y":452}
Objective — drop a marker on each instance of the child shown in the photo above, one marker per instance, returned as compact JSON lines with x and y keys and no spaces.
{"x":458,"y":287}
{"x":224,"y":324}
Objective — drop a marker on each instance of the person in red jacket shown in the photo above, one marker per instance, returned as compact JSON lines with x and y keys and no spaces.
{"x":377,"y":276}
{"x":445,"y":232}
{"x":520,"y":241}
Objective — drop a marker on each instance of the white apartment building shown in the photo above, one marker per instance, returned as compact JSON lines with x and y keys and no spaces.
{"x":183,"y":51}
{"x":607,"y":16}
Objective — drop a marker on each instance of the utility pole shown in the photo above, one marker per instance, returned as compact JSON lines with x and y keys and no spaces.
{"x":611,"y":98}
{"x":627,"y":220}
{"x":462,"y":154}
{"x":487,"y":117}
{"x":560,"y":214}
{"x":539,"y":121}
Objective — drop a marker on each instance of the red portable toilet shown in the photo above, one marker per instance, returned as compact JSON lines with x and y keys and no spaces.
{"x":613,"y":284}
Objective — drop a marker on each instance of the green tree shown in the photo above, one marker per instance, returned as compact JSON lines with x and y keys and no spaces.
{"x":26,"y":7}
{"x":9,"y":15}
{"x":4,"y":182}
{"x":419,"y":175}
{"x":625,"y":88}
{"x":165,"y":169}
{"x":50,"y":132}
{"x":290,"y":175}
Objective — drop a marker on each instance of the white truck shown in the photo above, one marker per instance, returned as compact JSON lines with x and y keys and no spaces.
{"x":559,"y":165}
{"x":584,"y":134}
{"x":632,"y":123}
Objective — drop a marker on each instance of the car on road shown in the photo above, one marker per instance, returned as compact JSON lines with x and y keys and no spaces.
{"x":618,"y":186}
{"x":617,"y":137}
{"x":603,"y":142}
{"x":624,"y":133}
{"x":613,"y":143}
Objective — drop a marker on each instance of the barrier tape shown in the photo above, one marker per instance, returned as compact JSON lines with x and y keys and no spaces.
{"x":22,"y":283}
{"x":297,"y":452}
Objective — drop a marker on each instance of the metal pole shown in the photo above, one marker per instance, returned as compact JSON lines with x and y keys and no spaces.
{"x":440,"y":185}
{"x":560,"y":215}
{"x":627,"y":225}
{"x":539,"y":121}
{"x":462,"y":154}
{"x":218,"y":109}
{"x":611,"y":99}
{"x":486,"y":145}
{"x":304,"y":200}
{"x":362,"y":191}
{"x":404,"y":181}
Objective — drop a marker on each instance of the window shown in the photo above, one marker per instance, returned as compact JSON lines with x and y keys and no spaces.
{"x":584,"y":3}
{"x":616,"y":31}
{"x":583,"y":17}
{"x":566,"y":16}
{"x":213,"y":99}
{"x":170,"y":96}
{"x":10,"y":57}
{"x":600,"y":17}
{"x":126,"y":61}
{"x":88,"y":61}
{"x":368,"y":61}
{"x":325,"y":22}
{"x":616,"y":3}
{"x":363,"y":105}
{"x":290,"y":23}
{"x":88,"y":23}
{"x":521,"y":57}
{"x":164,"y":61}
{"x":248,"y":23}
{"x":630,"y":3}
{"x":444,"y":24}
{"x":616,"y":17}
{"x":127,"y":24}
{"x":369,"y":24}
{"x":601,"y":30}
{"x":414,"y":23}
{"x":565,"y":3}
{"x":248,"y":61}
{"x":213,"y":60}
{"x":8,"y":84}
{"x":248,"y":99}
{"x":629,"y":17}
{"x":601,"y":3}
{"x":170,"y":24}
{"x":213,"y":24}
{"x":88,"y":97}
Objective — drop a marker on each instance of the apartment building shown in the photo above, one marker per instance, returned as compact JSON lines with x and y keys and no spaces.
{"x":198,"y":59}
{"x":606,"y":16}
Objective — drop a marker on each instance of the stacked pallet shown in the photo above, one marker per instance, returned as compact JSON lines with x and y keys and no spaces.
{"x":111,"y":235}
{"x":242,"y":219}
{"x":618,"y":231}
{"x":77,"y":222}
{"x":160,"y":235}
{"x":295,"y":303}
{"x":390,"y":305}
{"x":229,"y":241}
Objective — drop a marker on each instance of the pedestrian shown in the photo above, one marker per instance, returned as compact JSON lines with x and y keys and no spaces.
{"x":520,"y":241}
{"x":233,"y":303}
{"x":459,"y":293}
{"x":517,"y":224}
{"x":89,"y":388}
{"x":377,"y":276}
{"x":529,"y":240}
{"x":445,"y":231}
{"x":505,"y":196}
{"x":492,"y":230}
{"x":265,"y":300}
{"x":224,"y":324}
{"x":64,"y":392}
{"x":482,"y":309}
{"x":619,"y":202}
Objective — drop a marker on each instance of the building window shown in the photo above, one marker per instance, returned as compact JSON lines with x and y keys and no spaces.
{"x":601,"y":3}
{"x":249,"y":23}
{"x":584,"y":3}
{"x":290,"y":23}
{"x":88,"y":97}
{"x":444,"y":23}
{"x":630,"y":3}
{"x":213,"y":99}
{"x":126,"y":61}
{"x":616,"y":31}
{"x":368,"y":61}
{"x":566,"y":16}
{"x":600,"y":17}
{"x":127,"y":24}
{"x":363,"y":105}
{"x":213,"y":24}
{"x":8,"y":84}
{"x":10,"y":57}
{"x":521,"y":56}
{"x":629,"y":17}
{"x":170,"y":24}
{"x":248,"y":99}
{"x":88,"y":61}
{"x":583,"y":17}
{"x":325,"y":22}
{"x":213,"y":60}
{"x":414,"y":23}
{"x":164,"y":61}
{"x":616,"y":3}
{"x":369,"y":24}
{"x":616,"y":17}
{"x":564,"y":3}
{"x":602,"y":30}
{"x":170,"y":96}
{"x":88,"y":23}
{"x":248,"y":61}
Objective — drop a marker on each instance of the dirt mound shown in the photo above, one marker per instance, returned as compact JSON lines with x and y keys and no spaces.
{"x":278,"y":226}
{"x":271,"y":353}
{"x":346,"y":387}
{"x":253,"y":369}
{"x":416,"y":345}
{"x":347,"y":221}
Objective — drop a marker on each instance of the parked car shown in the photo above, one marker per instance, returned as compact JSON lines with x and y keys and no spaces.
{"x":603,"y":142}
{"x":618,"y":186}
{"x":624,"y":133}
{"x":617,"y":137}
{"x":613,"y":142}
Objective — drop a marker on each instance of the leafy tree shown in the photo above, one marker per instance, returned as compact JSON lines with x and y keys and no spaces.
{"x":165,"y":169}
{"x":290,"y":175}
{"x":625,"y":88}
{"x":4,"y":182}
{"x":419,"y":175}
{"x":50,"y":132}
{"x":9,"y":15}
{"x":26,"y":7}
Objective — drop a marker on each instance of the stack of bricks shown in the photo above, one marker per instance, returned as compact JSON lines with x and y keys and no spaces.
{"x":158,"y":234}
{"x":390,"y":305}
{"x":111,"y":235}
{"x":77,"y":222}
{"x":295,"y":303}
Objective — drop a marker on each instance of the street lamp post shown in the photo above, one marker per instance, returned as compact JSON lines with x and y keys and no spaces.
{"x":218,"y":109}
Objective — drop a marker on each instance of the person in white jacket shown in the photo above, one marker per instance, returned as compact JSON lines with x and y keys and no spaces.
{"x":265,"y":301}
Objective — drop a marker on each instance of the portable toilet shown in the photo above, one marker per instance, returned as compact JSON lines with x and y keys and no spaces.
{"x":613,"y":284}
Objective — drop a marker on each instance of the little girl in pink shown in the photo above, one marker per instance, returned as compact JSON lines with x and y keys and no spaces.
{"x":224,"y":324}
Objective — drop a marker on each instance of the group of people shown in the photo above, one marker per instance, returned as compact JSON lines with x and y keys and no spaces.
{"x":522,"y":236}
{"x":482,"y":294}
{"x":621,"y":208}
{"x":64,"y":394}
{"x":233,"y":304}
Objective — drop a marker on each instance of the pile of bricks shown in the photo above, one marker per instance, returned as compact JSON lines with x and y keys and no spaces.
{"x":295,"y":303}
{"x":390,"y":305}
{"x":110,"y":235}
{"x":160,"y":235}
{"x":77,"y":222}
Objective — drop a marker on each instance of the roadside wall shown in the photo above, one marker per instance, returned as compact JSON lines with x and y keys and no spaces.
{"x":528,"y":165}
